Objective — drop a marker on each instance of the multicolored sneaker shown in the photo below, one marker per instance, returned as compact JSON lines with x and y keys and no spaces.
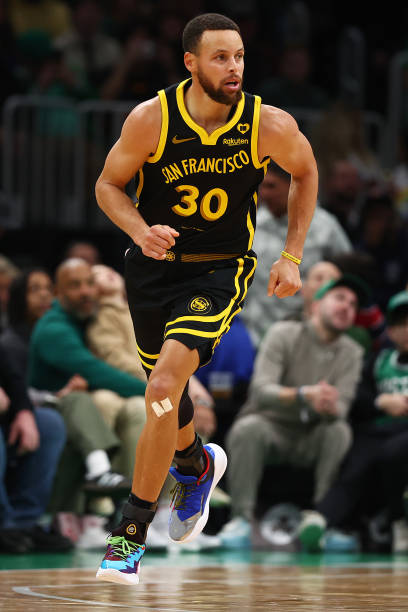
{"x":191,"y":496}
{"x":121,"y":562}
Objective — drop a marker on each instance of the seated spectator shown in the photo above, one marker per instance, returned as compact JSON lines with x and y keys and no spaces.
{"x":58,"y":352}
{"x":341,"y":193}
{"x":31,"y":441}
{"x":303,"y":384}
{"x":8,"y":271}
{"x":319,"y":274}
{"x":89,"y":439}
{"x":370,"y":316}
{"x":83,"y":249}
{"x":292,"y":87}
{"x":138,"y":74}
{"x":324,"y":239}
{"x":380,"y":445}
{"x":86,"y":49}
{"x":383,"y":235}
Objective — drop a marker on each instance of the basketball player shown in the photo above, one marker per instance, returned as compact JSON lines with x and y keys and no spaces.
{"x":199,"y":151}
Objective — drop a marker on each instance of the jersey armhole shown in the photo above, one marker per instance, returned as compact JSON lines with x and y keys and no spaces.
{"x":163,"y":130}
{"x":254,"y":137}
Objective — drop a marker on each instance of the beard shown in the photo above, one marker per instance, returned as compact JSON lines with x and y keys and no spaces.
{"x":216,"y":93}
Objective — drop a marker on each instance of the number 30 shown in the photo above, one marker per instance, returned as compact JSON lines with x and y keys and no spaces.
{"x":189,"y":202}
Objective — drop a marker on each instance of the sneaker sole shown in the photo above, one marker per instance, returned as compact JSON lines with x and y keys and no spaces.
{"x":220,"y":465}
{"x":113,"y":575}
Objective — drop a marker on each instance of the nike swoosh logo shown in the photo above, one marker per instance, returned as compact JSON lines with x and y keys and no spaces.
{"x":176,"y":140}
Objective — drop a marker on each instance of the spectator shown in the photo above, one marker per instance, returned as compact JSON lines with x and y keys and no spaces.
{"x":86,"y":50}
{"x":50,"y":16}
{"x":83,"y":250}
{"x":31,"y":441}
{"x":340,"y":135}
{"x":383,"y":235}
{"x":342,"y":194}
{"x":370,"y":316}
{"x":89,"y":439}
{"x":8,"y":271}
{"x":380,"y":446}
{"x":58,"y":352}
{"x":292,"y":87}
{"x":303,"y":384}
{"x":318,"y":274}
{"x":138,"y":74}
{"x":324,"y":239}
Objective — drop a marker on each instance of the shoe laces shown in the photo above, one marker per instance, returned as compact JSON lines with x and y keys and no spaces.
{"x":180,"y":494}
{"x":122,"y":547}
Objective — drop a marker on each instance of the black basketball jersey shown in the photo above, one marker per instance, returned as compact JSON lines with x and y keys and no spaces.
{"x":204,"y":186}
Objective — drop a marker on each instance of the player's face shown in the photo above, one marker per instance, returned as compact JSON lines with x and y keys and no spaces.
{"x":219,"y":65}
{"x":338,"y":309}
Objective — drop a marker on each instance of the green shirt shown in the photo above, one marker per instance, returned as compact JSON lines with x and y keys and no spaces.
{"x":58,"y":351}
{"x":391,"y":377}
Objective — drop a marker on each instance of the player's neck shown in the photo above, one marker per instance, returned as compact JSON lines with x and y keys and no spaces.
{"x":203,"y":110}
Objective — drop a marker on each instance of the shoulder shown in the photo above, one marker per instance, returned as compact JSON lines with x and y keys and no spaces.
{"x":351,"y":346}
{"x":144,"y":118}
{"x":277,"y":122}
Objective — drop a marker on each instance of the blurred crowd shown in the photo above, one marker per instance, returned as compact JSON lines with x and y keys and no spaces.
{"x":309,"y":395}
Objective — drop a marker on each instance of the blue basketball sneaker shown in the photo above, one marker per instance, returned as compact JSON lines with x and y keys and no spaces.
{"x":191,"y":496}
{"x":121,"y":562}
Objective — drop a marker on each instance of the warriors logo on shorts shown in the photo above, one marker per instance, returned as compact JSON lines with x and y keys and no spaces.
{"x":200,"y":305}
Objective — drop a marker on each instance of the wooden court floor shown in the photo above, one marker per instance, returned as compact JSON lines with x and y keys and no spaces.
{"x":241,"y":587}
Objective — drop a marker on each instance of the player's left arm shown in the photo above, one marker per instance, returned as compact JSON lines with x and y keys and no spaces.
{"x":281,"y":139}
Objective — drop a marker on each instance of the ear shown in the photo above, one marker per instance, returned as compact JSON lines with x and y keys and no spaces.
{"x":190,"y":61}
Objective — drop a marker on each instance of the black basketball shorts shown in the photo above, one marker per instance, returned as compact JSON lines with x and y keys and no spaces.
{"x":193,"y":302}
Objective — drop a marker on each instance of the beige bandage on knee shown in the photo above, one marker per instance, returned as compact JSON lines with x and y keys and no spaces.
{"x":161,"y":407}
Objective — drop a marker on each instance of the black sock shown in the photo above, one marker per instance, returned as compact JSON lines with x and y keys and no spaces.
{"x":192,"y":461}
{"x":137,"y":516}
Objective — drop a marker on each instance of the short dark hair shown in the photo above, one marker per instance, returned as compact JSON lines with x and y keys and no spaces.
{"x":209,"y":21}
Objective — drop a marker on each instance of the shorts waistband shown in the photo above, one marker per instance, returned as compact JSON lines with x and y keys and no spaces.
{"x":197,"y":257}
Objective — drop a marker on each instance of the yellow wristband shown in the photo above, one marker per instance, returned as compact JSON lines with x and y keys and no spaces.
{"x":291,"y":257}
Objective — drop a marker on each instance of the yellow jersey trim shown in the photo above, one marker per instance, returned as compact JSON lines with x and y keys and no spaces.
{"x":251,"y":230}
{"x":207,"y":139}
{"x":146,"y":354}
{"x":139,"y":187}
{"x":147,"y":365}
{"x":254,"y":136}
{"x":164,"y":128}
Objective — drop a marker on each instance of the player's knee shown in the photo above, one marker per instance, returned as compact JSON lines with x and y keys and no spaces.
{"x":158,"y":393}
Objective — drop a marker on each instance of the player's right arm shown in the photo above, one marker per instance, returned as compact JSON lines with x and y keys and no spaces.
{"x":139,"y":138}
